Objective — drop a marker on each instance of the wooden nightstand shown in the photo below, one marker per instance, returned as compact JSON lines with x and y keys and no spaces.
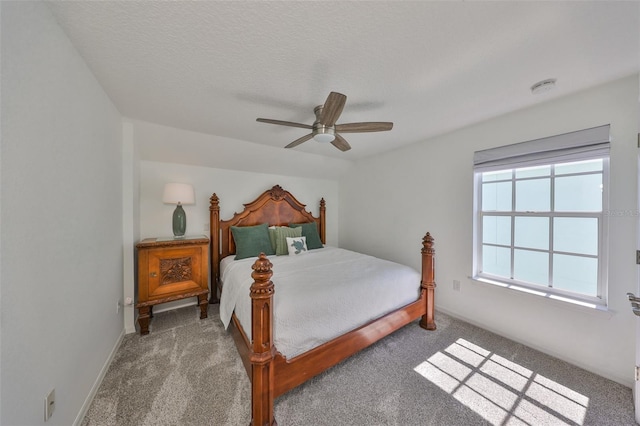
{"x":171,"y":269}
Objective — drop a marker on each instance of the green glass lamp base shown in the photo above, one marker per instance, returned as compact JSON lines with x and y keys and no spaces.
{"x":179,"y":222}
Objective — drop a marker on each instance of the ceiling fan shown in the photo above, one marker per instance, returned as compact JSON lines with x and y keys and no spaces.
{"x":325,"y":129}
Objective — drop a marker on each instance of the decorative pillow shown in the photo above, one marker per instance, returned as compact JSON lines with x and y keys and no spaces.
{"x":272,"y":237}
{"x":251,"y":241}
{"x":310,"y":231}
{"x":296,"y":245}
{"x":282,"y":232}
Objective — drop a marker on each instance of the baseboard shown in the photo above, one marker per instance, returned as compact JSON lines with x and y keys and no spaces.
{"x":606,"y":375}
{"x":129,"y":329}
{"x":98,"y":382}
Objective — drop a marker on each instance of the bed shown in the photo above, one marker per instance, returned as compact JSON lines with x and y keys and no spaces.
{"x":273,"y":371}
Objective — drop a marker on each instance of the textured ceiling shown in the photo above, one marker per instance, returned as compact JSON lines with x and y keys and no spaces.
{"x":429,"y":67}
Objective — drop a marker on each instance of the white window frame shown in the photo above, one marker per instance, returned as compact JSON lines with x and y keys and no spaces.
{"x":582,"y":145}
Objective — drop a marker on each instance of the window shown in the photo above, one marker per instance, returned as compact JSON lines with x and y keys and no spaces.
{"x":539,"y":216}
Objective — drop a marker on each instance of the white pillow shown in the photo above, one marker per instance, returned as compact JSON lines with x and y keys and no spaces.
{"x":296,"y":245}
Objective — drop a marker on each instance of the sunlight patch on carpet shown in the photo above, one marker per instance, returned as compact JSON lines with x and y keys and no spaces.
{"x":501,"y":391}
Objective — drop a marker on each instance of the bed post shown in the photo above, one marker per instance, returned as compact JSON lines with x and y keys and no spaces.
{"x":214,"y":242}
{"x":262,"y":349}
{"x":428,"y":283}
{"x":323,"y":225}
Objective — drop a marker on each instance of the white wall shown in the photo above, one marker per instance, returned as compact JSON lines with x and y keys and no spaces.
{"x":233,"y":188}
{"x":430,"y":185}
{"x":61,"y":229}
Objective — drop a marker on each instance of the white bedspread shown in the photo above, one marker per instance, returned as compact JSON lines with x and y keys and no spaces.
{"x":319,"y":295}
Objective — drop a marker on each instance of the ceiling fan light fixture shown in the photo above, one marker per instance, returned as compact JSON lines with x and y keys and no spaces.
{"x":324,"y":137}
{"x":324,"y":134}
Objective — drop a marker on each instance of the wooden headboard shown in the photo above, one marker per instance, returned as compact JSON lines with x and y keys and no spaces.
{"x":275,"y":207}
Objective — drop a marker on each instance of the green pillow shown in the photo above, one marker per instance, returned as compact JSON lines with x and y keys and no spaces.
{"x":251,"y":241}
{"x":310,"y":230}
{"x":282,"y":232}
{"x":272,"y":237}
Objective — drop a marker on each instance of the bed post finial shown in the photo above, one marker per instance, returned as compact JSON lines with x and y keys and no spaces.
{"x":262,"y":348}
{"x":213,"y":201}
{"x":428,"y":282}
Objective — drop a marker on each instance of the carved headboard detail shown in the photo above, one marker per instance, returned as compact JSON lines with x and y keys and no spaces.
{"x":275,"y":207}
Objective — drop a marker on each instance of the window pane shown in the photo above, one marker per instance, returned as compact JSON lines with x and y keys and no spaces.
{"x":531,"y":266}
{"x":575,"y":273}
{"x":496,"y":261}
{"x":579,"y":167}
{"x":496,"y":196}
{"x":527,"y":172}
{"x":579,"y":193}
{"x":576,"y":235}
{"x":533,"y":195}
{"x":498,"y":175}
{"x":496,"y":230}
{"x":532,"y":232}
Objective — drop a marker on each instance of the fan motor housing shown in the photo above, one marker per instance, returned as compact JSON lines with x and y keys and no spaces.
{"x":322,"y":133}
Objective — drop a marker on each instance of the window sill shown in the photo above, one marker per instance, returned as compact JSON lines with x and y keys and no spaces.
{"x":578,"y":305}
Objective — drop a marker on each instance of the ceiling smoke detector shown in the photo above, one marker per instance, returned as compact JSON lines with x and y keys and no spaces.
{"x":543,"y":86}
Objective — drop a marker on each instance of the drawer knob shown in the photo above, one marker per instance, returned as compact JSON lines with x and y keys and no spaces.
{"x":153,"y":274}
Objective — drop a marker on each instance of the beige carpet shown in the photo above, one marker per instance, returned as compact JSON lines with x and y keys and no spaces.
{"x":187,"y":372}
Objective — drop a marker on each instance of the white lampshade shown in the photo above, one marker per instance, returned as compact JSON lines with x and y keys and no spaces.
{"x":179,"y":193}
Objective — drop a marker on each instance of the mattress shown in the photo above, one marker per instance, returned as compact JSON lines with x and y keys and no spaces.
{"x":319,"y":295}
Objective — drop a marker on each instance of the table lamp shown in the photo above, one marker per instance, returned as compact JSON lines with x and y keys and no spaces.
{"x":180,"y":194}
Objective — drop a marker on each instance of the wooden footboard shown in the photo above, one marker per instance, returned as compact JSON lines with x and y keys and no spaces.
{"x":272,"y":374}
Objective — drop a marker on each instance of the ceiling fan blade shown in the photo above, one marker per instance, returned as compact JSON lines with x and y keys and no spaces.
{"x":300,"y":140}
{"x":332,"y":108}
{"x":372,"y":126}
{"x":284,"y":123}
{"x":341,"y":144}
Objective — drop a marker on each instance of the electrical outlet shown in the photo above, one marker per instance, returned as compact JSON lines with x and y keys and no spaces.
{"x":206,"y":227}
{"x":456,"y":285}
{"x":49,"y":404}
{"x":118,"y":304}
